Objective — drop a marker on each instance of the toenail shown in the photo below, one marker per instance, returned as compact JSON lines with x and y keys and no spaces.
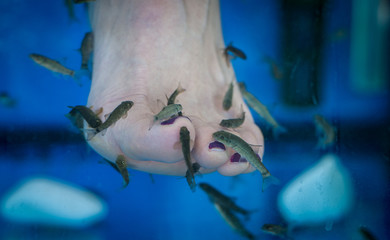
{"x":235,"y":157}
{"x":169,"y":121}
{"x":216,"y":145}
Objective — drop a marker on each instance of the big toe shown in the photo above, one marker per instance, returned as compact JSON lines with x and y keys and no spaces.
{"x":209,"y":153}
{"x":213,"y":155}
{"x":237,"y":164}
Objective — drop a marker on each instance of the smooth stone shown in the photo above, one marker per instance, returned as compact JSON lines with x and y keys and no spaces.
{"x":320,"y":195}
{"x":46,"y":201}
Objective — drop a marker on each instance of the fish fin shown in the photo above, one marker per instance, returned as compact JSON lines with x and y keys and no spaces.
{"x":177,"y":145}
{"x":91,"y":132}
{"x":278,"y":130}
{"x":193,"y":186}
{"x":180,"y":89}
{"x":113,"y":165}
{"x":125,"y":182}
{"x":231,"y":57}
{"x":267,"y":181}
{"x":255,"y":145}
{"x":151,"y":125}
{"x":248,"y":213}
{"x":105,"y":130}
{"x":256,"y":148}
{"x":242,"y":111}
{"x":227,"y":58}
{"x":80,"y":74}
{"x":99,"y":111}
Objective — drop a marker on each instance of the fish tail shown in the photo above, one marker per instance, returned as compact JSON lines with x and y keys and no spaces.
{"x":79,"y":74}
{"x":247,"y":214}
{"x":126,"y":179}
{"x":267,"y":181}
{"x":278,"y":130}
{"x":193,"y":187}
{"x":151,"y":124}
{"x":180,"y":89}
{"x":84,"y":66}
{"x":90,"y":133}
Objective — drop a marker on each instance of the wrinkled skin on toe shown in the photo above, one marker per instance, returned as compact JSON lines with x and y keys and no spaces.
{"x":142,"y":51}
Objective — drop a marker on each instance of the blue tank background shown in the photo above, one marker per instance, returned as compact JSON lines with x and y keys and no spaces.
{"x":36,"y":138}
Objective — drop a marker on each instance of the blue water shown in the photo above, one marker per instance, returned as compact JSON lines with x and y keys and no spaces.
{"x":36,"y":138}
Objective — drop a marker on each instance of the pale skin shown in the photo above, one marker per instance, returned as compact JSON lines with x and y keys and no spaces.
{"x":142,"y":50}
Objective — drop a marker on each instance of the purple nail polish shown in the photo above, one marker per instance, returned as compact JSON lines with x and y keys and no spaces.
{"x":217,"y":144}
{"x":235,"y":157}
{"x":169,"y":121}
{"x":243,"y":160}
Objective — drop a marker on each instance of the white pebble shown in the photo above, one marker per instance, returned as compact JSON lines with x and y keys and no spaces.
{"x":320,"y":195}
{"x":40,"y":200}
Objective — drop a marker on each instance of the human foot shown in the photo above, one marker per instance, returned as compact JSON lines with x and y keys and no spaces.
{"x":143,"y":50}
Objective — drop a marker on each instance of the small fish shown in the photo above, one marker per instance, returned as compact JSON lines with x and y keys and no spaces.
{"x":325,"y":131}
{"x":168,"y":112}
{"x":216,"y":196}
{"x":122,"y":167}
{"x":366,"y":233}
{"x":245,"y":150}
{"x":234,"y":122}
{"x":190,"y":176}
{"x":69,"y":6}
{"x":172,"y":98}
{"x":262,"y":110}
{"x":233,"y":221}
{"x":57,"y":67}
{"x":77,"y":120}
{"x":276,"y":71}
{"x":6,"y":100}
{"x":227,"y":99}
{"x":152,"y":178}
{"x":52,"y":65}
{"x":185,"y":147}
{"x":276,"y":230}
{"x":83,"y":1}
{"x":231,"y":52}
{"x":119,"y":112}
{"x":88,"y":115}
{"x":86,"y":49}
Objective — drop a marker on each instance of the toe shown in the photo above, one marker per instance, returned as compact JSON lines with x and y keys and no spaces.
{"x":160,"y":143}
{"x":236,"y":164}
{"x":207,"y":152}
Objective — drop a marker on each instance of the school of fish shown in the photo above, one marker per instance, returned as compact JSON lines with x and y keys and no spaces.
{"x":90,"y":123}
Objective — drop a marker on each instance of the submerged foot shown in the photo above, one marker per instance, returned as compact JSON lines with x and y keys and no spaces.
{"x":143,"y":51}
